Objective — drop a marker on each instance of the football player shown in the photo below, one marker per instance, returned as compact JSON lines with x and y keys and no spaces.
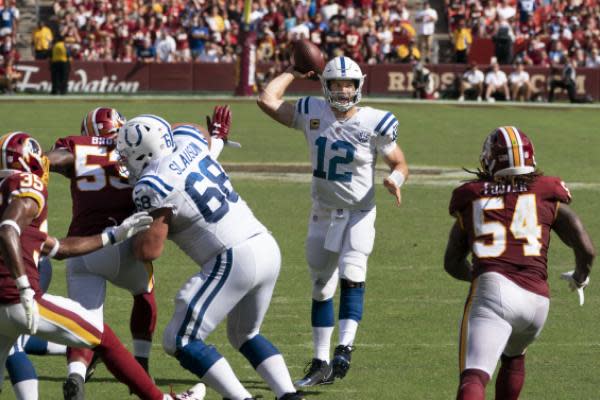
{"x":101,"y":197}
{"x":24,"y":309}
{"x":182,"y":185}
{"x":504,"y":218}
{"x":344,"y":141}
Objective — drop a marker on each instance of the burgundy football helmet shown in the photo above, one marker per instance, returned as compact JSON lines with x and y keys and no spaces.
{"x":19,"y":151}
{"x":102,"y":121}
{"x":507,"y":151}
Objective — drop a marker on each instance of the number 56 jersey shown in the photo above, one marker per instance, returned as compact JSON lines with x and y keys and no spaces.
{"x":343,"y":153}
{"x":208,"y":216}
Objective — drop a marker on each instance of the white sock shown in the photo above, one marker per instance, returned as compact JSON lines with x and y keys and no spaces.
{"x":221,"y":378}
{"x":77,"y":367}
{"x":322,"y":341}
{"x":274,"y":371}
{"x":142,"y":348}
{"x":56,"y":349}
{"x":347,"y":332}
{"x":26,"y":390}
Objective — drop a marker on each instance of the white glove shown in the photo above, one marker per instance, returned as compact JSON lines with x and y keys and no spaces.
{"x":574,"y":285}
{"x":133,"y":224}
{"x":28,"y":302}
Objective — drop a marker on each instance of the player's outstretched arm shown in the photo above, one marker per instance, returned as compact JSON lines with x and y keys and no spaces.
{"x":398,"y":173}
{"x":455,"y":258}
{"x":571,"y":231}
{"x":61,"y":161}
{"x":270,"y":99}
{"x":149,"y":245}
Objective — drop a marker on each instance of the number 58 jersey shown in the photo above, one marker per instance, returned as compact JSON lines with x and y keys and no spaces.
{"x":343,"y":153}
{"x":208,"y":216}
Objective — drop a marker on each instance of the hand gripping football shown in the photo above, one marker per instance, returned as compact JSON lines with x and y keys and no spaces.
{"x":307,"y":57}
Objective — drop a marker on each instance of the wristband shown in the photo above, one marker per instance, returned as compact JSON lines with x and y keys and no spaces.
{"x":12,"y":223}
{"x":398,"y":177}
{"x":55,"y":248}
{"x":108,"y":237}
{"x":23,"y":282}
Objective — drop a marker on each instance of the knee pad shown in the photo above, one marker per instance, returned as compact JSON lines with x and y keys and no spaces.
{"x":20,"y":368}
{"x":198,"y":357}
{"x":324,"y":289}
{"x":351,"y":300}
{"x":257,"y":350}
{"x":353,"y":272}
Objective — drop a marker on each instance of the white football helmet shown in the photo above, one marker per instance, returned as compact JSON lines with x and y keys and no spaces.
{"x":141,"y":140}
{"x":342,"y":69}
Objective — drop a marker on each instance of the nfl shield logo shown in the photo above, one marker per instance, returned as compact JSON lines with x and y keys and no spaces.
{"x":363,"y":136}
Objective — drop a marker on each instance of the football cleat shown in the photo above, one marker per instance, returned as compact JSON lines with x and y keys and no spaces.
{"x":197,"y":392}
{"x":318,"y":372}
{"x":292,"y":396}
{"x":341,"y":361}
{"x":73,"y":388}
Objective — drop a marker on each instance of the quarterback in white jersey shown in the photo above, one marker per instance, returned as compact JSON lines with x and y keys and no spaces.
{"x":178,"y":180}
{"x":344,"y":141}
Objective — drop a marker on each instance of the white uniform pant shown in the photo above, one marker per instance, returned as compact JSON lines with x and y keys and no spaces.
{"x":356,"y":246}
{"x":500,"y":318}
{"x":237,"y":284}
{"x":87,"y":275}
{"x":62,"y":321}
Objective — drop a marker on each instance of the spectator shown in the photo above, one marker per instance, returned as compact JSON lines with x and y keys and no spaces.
{"x":471,"y":83}
{"x":182,"y":54}
{"x":330,"y":9}
{"x":9,"y":77}
{"x":426,"y":17}
{"x":526,"y":10}
{"x":593,"y":58}
{"x":146,"y":52}
{"x":60,"y":65}
{"x":422,"y":83}
{"x":567,"y":81}
{"x":9,"y":19}
{"x":505,"y":11}
{"x":496,"y":84}
{"x":408,"y":53}
{"x":520,"y":86}
{"x":41,"y":39}
{"x":199,"y":34}
{"x":165,"y":47}
{"x":462,"y":39}
{"x":503,"y":42}
{"x":334,"y":39}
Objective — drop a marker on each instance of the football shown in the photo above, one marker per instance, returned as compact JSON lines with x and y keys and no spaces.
{"x":307,"y":57}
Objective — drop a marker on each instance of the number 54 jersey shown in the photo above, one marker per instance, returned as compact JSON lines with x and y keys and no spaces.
{"x":508,"y":227}
{"x":208,"y":216}
{"x":343,"y":153}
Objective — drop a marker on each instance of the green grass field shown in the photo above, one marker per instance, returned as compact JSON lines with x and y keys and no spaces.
{"x":407,"y":344}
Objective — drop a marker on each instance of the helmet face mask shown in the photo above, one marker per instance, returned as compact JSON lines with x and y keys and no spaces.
{"x":21,"y":152}
{"x":507,"y":151}
{"x":140,"y":141}
{"x":337,"y":70}
{"x":102,"y":121}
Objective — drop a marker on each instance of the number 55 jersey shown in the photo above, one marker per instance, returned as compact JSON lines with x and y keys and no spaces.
{"x":508,"y":227}
{"x":208,"y":216}
{"x":343,"y":153}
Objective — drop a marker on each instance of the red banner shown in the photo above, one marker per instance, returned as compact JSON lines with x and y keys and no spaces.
{"x":381,"y":80}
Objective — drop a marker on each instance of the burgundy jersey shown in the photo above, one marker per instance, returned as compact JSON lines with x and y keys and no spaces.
{"x":24,"y":184}
{"x":509,"y":227}
{"x":101,"y":196}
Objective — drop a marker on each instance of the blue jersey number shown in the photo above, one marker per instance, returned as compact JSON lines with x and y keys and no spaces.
{"x":332,"y":174}
{"x":222,"y":194}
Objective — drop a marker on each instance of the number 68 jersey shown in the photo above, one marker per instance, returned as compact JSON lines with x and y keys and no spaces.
{"x":343,"y":153}
{"x":208,"y":216}
{"x":508,"y":227}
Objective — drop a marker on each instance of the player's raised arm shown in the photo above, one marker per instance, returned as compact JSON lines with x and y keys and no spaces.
{"x":61,"y":161}
{"x":270,"y":99}
{"x":570,"y":229}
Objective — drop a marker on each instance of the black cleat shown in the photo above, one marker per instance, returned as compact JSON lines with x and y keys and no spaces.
{"x":73,"y":388}
{"x":318,"y":372}
{"x":341,"y":361}
{"x":292,"y":396}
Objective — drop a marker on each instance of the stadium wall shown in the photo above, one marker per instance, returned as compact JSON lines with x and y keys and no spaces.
{"x":382,"y":80}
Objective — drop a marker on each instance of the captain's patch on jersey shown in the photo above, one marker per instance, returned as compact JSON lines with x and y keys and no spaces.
{"x":315,"y":123}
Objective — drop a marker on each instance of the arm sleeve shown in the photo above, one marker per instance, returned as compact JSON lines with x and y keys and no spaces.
{"x":301,"y":113}
{"x":458,"y":201}
{"x":387,"y":132}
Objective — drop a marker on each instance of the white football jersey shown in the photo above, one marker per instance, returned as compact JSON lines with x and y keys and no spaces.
{"x":208,"y":215}
{"x":343,"y":153}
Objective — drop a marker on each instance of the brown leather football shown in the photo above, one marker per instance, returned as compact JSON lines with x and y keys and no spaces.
{"x":307,"y":57}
